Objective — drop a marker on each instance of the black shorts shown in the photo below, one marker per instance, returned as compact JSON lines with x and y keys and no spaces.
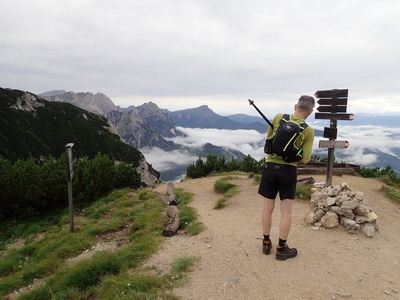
{"x":278,"y":178}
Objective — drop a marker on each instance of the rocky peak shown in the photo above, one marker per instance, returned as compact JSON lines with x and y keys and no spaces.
{"x":97,"y":103}
{"x":27,"y":102}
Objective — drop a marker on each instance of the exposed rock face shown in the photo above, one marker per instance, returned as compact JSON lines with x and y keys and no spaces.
{"x":27,"y":102}
{"x":143,"y":126}
{"x":340,"y":205}
{"x":97,"y":103}
{"x":147,"y":177}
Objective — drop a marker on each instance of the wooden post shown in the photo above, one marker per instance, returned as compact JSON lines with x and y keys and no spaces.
{"x":172,"y":212}
{"x":333,"y":106}
{"x":331,"y":158}
{"x":70,"y":174}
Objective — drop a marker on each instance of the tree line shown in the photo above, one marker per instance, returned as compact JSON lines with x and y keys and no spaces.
{"x":214,"y":164}
{"x":29,"y":187}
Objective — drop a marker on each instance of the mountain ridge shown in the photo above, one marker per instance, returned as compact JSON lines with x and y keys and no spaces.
{"x":31,"y":126}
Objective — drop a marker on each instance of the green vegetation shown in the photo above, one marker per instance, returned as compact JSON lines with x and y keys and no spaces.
{"x":228,"y":189}
{"x":214,"y":164}
{"x":181,"y":266}
{"x":304,"y":191}
{"x":29,"y":187}
{"x":388,"y":176}
{"x":134,"y":219}
{"x":188,"y":215}
{"x":393,"y":193}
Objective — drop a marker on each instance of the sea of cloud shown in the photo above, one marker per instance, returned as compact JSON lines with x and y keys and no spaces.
{"x":362,"y":139}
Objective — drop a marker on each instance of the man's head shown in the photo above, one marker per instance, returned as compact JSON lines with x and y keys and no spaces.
{"x":305,"y":106}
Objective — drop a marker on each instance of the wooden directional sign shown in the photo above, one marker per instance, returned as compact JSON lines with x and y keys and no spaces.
{"x":330,"y":101}
{"x":333,"y":144}
{"x":332,"y":108}
{"x":329,"y":116}
{"x":335,"y":93}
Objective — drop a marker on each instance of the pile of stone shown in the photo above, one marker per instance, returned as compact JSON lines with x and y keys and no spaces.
{"x":341,"y":205}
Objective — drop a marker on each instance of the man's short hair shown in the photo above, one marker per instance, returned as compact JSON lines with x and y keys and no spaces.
{"x":306,"y":103}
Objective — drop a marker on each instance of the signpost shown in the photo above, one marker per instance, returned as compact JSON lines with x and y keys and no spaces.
{"x":333,"y":107}
{"x":70,"y":174}
{"x":333,"y":144}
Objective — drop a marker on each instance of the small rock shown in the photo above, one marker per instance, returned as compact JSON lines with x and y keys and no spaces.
{"x":372,"y":217}
{"x":368,"y":229}
{"x":330,"y":220}
{"x":330,"y":201}
{"x":344,"y":294}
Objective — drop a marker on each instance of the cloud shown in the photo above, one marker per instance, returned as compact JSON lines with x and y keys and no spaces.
{"x":182,"y":51}
{"x":163,"y":160}
{"x":363,"y":139}
{"x":246,"y":141}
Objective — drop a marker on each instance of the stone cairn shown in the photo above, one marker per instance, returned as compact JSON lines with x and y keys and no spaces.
{"x":341,"y":205}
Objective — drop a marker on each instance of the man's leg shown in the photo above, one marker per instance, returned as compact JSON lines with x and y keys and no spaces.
{"x":286,"y":218}
{"x":266,"y":217}
{"x":283,"y":252}
{"x":266,"y":221}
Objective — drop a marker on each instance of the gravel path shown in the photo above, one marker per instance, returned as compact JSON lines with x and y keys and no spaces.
{"x":331,"y":263}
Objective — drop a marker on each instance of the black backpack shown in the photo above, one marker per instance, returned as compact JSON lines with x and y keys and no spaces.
{"x":282,"y":143}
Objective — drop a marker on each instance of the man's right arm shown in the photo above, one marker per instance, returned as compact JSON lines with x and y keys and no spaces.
{"x":307,"y":146}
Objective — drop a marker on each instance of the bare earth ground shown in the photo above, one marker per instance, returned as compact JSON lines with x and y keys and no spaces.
{"x":331,"y":264}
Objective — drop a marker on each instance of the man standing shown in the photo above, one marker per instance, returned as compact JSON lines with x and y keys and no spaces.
{"x":281,"y":176}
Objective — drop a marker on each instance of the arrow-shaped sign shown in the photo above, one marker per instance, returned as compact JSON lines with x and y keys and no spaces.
{"x":339,"y":101}
{"x":333,"y":144}
{"x":332,"y":93}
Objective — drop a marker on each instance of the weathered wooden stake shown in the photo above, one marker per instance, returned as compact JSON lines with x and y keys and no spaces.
{"x":70,"y":174}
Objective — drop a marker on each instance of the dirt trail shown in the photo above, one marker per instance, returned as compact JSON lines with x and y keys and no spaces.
{"x":331,"y":264}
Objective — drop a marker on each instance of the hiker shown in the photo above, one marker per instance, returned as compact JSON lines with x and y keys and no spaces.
{"x":281,"y":176}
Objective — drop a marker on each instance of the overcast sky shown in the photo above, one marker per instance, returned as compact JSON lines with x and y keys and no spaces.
{"x":185,"y":53}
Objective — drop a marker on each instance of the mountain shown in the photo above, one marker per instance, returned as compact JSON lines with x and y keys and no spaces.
{"x":142,"y":126}
{"x":31,"y":126}
{"x":97,"y":103}
{"x":204,"y":117}
{"x":148,"y":127}
{"x":243,"y":118}
{"x":390,"y":121}
{"x":145,"y":126}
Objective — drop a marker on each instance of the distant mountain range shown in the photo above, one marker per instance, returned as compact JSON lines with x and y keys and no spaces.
{"x":149,"y":127}
{"x":204,"y":117}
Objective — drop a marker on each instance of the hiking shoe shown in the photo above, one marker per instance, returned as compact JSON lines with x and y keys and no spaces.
{"x":266,"y":246}
{"x":283,"y":253}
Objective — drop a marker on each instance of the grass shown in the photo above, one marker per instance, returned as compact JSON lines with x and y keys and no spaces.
{"x":106,"y":274}
{"x":304,"y":191}
{"x":392,"y":192}
{"x":180,"y":267}
{"x":188,"y":215}
{"x":225,"y":187}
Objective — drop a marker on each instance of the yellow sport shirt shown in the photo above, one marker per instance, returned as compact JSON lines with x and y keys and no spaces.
{"x":305,"y":142}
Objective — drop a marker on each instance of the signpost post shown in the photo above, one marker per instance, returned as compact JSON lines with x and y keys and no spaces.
{"x":333,"y":106}
{"x":70,"y":174}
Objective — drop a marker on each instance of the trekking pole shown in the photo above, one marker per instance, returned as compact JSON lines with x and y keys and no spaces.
{"x":262,"y":115}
